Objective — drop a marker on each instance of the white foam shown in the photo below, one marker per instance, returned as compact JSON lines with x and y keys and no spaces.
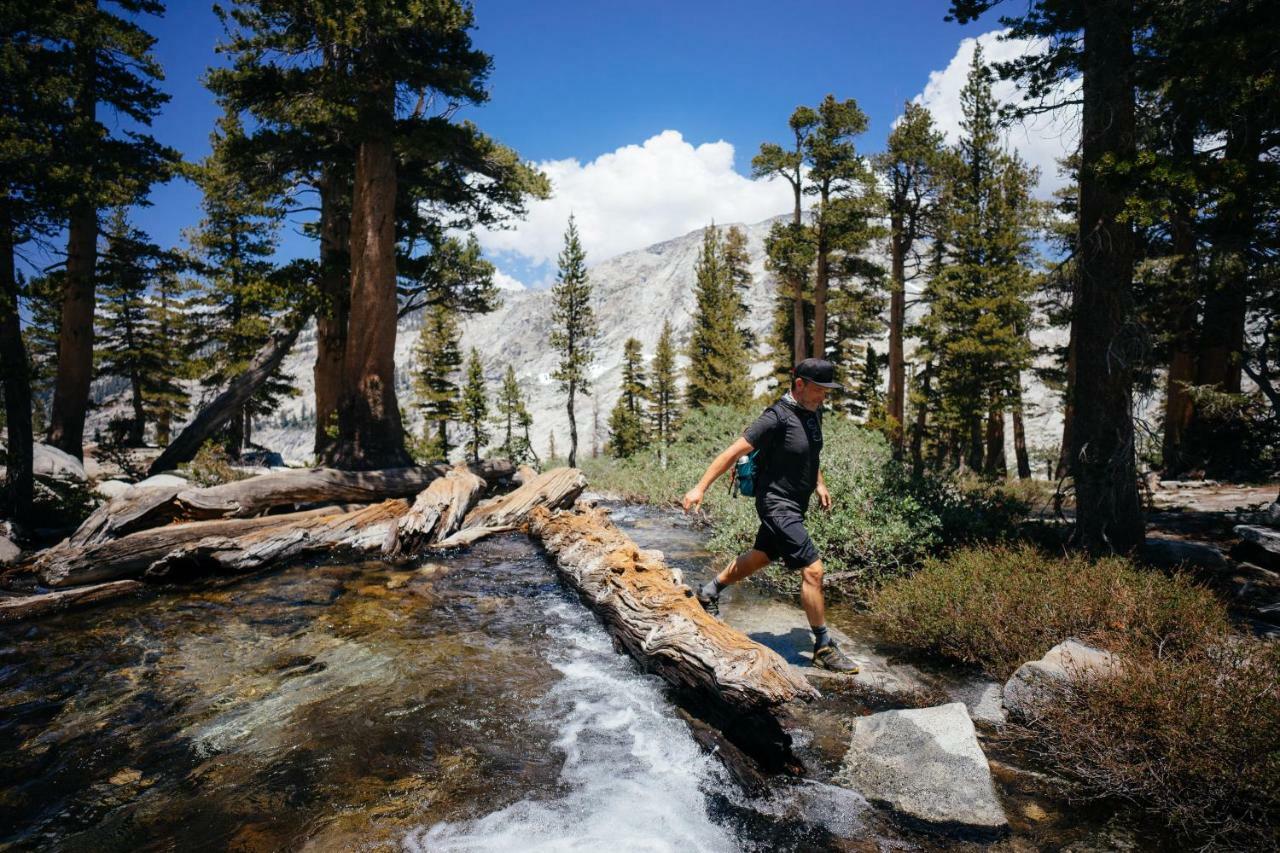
{"x":633,"y":777}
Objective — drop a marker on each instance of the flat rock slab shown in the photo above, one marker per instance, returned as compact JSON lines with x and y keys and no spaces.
{"x":1258,"y":544}
{"x":924,"y":763}
{"x":784,"y":628}
{"x":1066,"y":661}
{"x":1178,"y":552}
{"x":983,"y":699}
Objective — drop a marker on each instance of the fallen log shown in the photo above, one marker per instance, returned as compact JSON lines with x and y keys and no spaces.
{"x":16,"y":608}
{"x":140,"y":509}
{"x":132,"y":555}
{"x":554,"y":489}
{"x":437,"y":513}
{"x":657,"y":619}
{"x":222,"y":408}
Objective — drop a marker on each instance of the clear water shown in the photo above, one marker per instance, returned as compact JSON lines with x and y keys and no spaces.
{"x":462,"y":704}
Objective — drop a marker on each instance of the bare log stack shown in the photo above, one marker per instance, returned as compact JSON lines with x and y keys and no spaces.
{"x":657,"y":619}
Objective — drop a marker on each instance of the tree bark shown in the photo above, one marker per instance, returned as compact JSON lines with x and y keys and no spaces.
{"x":1108,"y":512}
{"x":371,"y":434}
{"x":17,"y":608}
{"x":75,"y":335}
{"x":555,"y":489}
{"x":335,"y":302}
{"x":657,"y":620}
{"x":1182,"y":359}
{"x":995,"y":463}
{"x":917,"y":435}
{"x":1020,"y":435}
{"x":820,"y":283}
{"x":437,"y":513}
{"x":1068,"y":416}
{"x":573,"y":427}
{"x":15,"y":371}
{"x":228,"y":406}
{"x":897,"y":394}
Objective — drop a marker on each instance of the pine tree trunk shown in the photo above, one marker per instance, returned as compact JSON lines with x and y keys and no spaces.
{"x":897,"y":321}
{"x":974,"y":455}
{"x":821,"y":275}
{"x":995,"y":464}
{"x":1020,"y":435}
{"x":1068,"y":417}
{"x":235,"y":434}
{"x":75,"y":336}
{"x":139,"y":414}
{"x":164,"y":428}
{"x":16,"y":374}
{"x":335,"y":300}
{"x":797,"y":293}
{"x":917,"y":435}
{"x":1182,"y":360}
{"x":573,"y":428}
{"x":248,"y":428}
{"x":1103,"y":465}
{"x":371,"y":434}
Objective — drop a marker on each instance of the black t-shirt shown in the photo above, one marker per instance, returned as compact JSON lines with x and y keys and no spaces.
{"x":789,"y":438}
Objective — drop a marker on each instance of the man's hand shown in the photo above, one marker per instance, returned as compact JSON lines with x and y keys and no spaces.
{"x":824,"y":497}
{"x":692,"y":499}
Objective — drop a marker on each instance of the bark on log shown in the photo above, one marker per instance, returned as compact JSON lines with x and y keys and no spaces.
{"x":152,"y":507}
{"x":229,"y":403}
{"x":657,"y":619}
{"x":555,"y":489}
{"x":437,"y":513}
{"x":229,"y":545}
{"x":17,"y":608}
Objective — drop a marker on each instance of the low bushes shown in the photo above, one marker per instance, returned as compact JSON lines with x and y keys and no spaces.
{"x":1189,"y":728}
{"x":999,"y":606}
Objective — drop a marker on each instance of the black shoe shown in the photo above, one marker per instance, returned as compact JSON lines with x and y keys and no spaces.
{"x":830,"y":657}
{"x":710,"y":603}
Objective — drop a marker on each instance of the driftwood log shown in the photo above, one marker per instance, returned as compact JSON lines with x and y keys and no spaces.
{"x":140,"y":509}
{"x":220,"y":410}
{"x":555,"y":489}
{"x":657,"y":619}
{"x":18,"y":607}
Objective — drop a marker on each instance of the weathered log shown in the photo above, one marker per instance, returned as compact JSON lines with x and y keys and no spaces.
{"x":134,"y":554}
{"x":16,"y":608}
{"x":144,"y":508}
{"x":657,"y":619}
{"x":437,"y":513}
{"x":555,"y":489}
{"x":226,"y":405}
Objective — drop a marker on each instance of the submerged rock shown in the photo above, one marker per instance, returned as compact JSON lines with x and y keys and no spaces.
{"x":1068,"y":660}
{"x":924,"y":763}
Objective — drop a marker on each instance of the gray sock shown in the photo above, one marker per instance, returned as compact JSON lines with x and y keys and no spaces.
{"x":712,"y":588}
{"x":820,"y":636}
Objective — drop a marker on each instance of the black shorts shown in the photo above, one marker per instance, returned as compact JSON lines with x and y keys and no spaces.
{"x":784,"y":537}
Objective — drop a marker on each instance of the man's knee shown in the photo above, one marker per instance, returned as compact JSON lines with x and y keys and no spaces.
{"x":812,"y":573}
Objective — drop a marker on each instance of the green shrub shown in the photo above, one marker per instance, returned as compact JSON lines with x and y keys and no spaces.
{"x":1192,"y":737}
{"x":999,"y":606}
{"x":212,"y":467}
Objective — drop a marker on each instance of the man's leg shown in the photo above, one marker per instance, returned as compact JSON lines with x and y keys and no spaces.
{"x":811,"y":595}
{"x":744,"y":566}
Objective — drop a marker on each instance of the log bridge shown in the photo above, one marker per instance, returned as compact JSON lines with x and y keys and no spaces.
{"x":162,"y":534}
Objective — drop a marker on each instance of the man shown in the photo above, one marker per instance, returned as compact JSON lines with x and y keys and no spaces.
{"x":789,"y":438}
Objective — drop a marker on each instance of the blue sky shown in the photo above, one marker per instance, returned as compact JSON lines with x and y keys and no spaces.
{"x":592,"y":86}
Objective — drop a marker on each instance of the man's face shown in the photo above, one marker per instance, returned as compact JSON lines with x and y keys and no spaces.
{"x":808,"y":394}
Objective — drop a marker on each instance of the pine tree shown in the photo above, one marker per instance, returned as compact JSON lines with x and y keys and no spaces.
{"x":627,"y":432}
{"x":737,"y":264}
{"x":132,"y":344}
{"x":514,"y":419}
{"x":979,"y":299}
{"x":43,"y":302}
{"x":718,"y":371}
{"x":439,"y":358}
{"x":110,"y":65}
{"x":573,"y":327}
{"x":166,"y":398}
{"x":910,"y":167}
{"x":475,"y":407}
{"x":235,"y":244}
{"x":664,"y":395}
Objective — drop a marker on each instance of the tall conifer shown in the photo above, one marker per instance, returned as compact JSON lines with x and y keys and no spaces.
{"x":573,"y":328}
{"x":475,"y":408}
{"x":719,"y":370}
{"x":439,"y":358}
{"x":627,"y":430}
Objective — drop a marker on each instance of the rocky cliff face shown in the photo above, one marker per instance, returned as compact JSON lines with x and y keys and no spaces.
{"x":634,"y":294}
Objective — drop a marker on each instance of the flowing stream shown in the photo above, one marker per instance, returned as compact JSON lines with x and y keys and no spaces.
{"x":468,"y":703}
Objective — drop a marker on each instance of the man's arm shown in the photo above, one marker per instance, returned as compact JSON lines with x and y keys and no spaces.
{"x":723,"y":462}
{"x":824,"y":497}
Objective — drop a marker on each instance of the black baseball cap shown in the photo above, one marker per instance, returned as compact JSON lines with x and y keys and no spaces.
{"x":819,"y":371}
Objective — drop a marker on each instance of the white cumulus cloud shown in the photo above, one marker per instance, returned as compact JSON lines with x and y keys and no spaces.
{"x":636,"y":196}
{"x":1042,"y":140}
